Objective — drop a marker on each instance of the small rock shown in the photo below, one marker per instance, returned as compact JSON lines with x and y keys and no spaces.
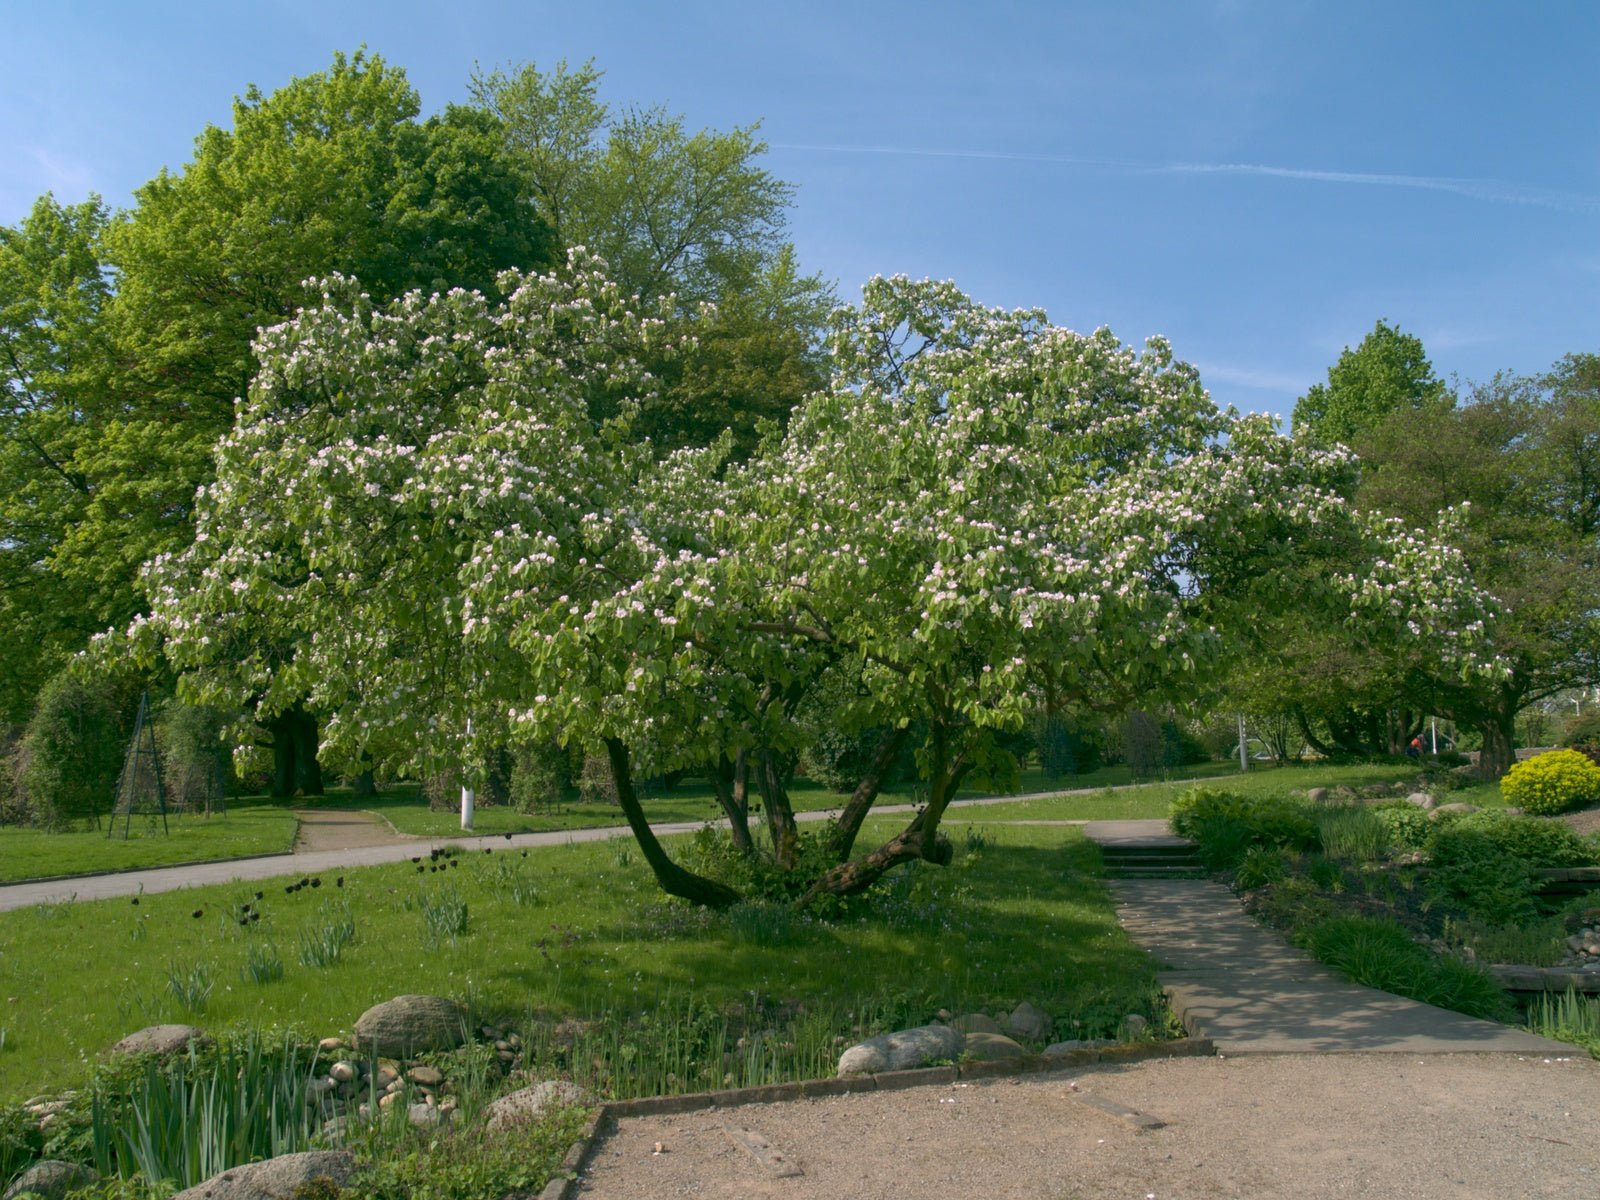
{"x":1135,"y":1024}
{"x":1318,"y":795}
{"x":426,"y":1076}
{"x":1028,"y":1022}
{"x":51,"y":1179}
{"x":424,"y":1116}
{"x":1068,"y":1047}
{"x":975,"y":1023}
{"x":525,"y":1106}
{"x":161,"y":1040}
{"x":276,"y":1178}
{"x":342,"y":1072}
{"x":991,"y":1047}
{"x":1422,"y":800}
{"x":329,"y":1044}
{"x":389,"y":1099}
{"x":1458,"y":807}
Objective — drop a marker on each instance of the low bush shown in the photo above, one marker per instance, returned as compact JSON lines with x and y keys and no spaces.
{"x":1552,"y":783}
{"x":72,"y":752}
{"x":1212,"y":815}
{"x":1260,"y":866}
{"x":1405,"y":826}
{"x":1535,"y":842}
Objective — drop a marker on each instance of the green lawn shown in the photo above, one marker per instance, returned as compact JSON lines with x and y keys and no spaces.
{"x":571,"y":931}
{"x":1152,"y":800}
{"x":404,"y":808}
{"x":245,"y":830}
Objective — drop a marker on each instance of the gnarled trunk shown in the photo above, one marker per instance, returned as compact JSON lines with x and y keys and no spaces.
{"x":730,"y":780}
{"x":866,"y":794}
{"x":780,"y":813}
{"x":674,"y":879}
{"x":294,"y":753}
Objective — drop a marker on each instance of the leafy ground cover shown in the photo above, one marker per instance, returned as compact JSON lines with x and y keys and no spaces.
{"x":578,"y":933}
{"x":247,"y":829}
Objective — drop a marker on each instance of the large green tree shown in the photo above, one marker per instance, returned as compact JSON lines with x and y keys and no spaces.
{"x":54,"y":385}
{"x":332,"y":173}
{"x":1520,"y":461}
{"x":692,"y":215}
{"x":1386,"y":373}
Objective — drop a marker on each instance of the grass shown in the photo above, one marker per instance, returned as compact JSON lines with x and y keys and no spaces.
{"x":246,"y":830}
{"x":567,"y":931}
{"x":1567,"y":1018}
{"x":1154,"y":799}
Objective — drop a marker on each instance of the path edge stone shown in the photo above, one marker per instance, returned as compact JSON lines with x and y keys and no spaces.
{"x":564,"y":1184}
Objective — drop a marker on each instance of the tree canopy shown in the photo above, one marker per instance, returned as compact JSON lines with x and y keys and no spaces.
{"x":437,"y":508}
{"x":1388,"y":372}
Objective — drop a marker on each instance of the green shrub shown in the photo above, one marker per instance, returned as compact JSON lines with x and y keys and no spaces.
{"x":1536,"y":842}
{"x":1276,"y":820}
{"x":1493,"y":887}
{"x":541,"y":777}
{"x":72,"y":752}
{"x":1552,"y":783}
{"x":1405,"y":826}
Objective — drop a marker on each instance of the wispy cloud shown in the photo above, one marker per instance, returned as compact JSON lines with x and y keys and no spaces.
{"x":1260,"y":379}
{"x":1493,"y":191}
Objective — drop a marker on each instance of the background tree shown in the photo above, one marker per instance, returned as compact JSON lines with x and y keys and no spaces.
{"x":1386,"y":373}
{"x":118,"y":395}
{"x":54,"y":374}
{"x":1520,"y":458}
{"x":690,"y":215}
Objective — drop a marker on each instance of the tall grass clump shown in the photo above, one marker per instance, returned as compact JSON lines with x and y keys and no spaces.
{"x":324,"y":944}
{"x":1356,"y":835}
{"x":190,"y":1117}
{"x":262,"y":964}
{"x":444,"y":914}
{"x":1379,"y":953}
{"x":1567,"y":1018}
{"x":190,"y":986}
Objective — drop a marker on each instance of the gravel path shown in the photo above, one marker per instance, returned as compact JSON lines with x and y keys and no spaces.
{"x":1301,"y":1126}
{"x":342,"y":829}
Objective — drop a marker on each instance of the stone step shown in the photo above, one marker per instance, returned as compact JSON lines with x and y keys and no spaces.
{"x":1170,"y":871}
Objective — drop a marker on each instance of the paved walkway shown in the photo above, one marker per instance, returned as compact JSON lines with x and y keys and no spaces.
{"x":1231,"y":979}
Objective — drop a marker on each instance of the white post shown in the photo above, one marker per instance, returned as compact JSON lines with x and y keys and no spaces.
{"x":1244,"y":759}
{"x":1434,"y":722}
{"x":468,"y":797}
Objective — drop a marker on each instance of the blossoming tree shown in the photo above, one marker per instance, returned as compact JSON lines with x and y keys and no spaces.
{"x":433,"y":510}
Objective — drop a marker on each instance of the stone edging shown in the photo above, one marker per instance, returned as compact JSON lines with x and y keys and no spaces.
{"x":564,"y":1184}
{"x":1545,"y":979}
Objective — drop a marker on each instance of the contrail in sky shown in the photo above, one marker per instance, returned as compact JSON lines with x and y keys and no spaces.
{"x":1493,"y":191}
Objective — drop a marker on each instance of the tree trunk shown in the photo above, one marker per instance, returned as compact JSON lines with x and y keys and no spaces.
{"x":308,"y":771}
{"x":852,"y":878}
{"x":730,"y":779}
{"x":866,"y":794}
{"x":1499,"y":745}
{"x":780,"y":814}
{"x":674,"y":880}
{"x":281,"y":727}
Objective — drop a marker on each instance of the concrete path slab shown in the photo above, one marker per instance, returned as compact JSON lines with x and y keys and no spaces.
{"x":1231,"y":979}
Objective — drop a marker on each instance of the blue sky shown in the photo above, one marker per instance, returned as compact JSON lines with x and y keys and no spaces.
{"x":1259,"y":181}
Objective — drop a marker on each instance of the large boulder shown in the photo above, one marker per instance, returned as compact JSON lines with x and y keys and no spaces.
{"x":1421,"y":799}
{"x":161,"y":1040}
{"x":276,"y":1178}
{"x":410,"y":1025}
{"x":1028,"y":1022}
{"x":902,"y":1050}
{"x":51,"y":1179}
{"x":526,"y":1106}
